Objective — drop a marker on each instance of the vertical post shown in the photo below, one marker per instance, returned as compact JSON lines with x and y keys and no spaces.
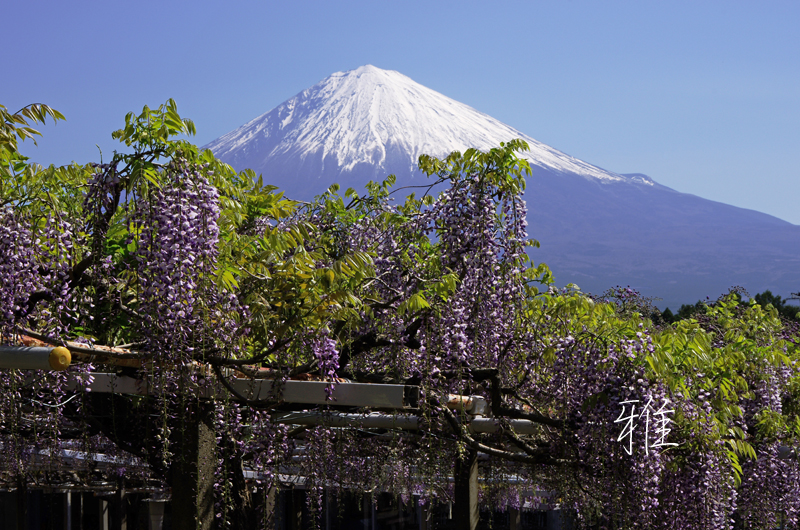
{"x":326,"y":506}
{"x":68,"y":510}
{"x":270,"y":505}
{"x":102,"y":513}
{"x":366,"y":507}
{"x":155,"y":512}
{"x":400,"y":519}
{"x":119,"y":514}
{"x":22,"y":503}
{"x":81,"y":495}
{"x":295,"y":509}
{"x":422,"y":513}
{"x":466,"y":491}
{"x":553,"y":520}
{"x":193,"y":472}
{"x":373,"y":516}
{"x":35,"y":512}
{"x":514,"y":518}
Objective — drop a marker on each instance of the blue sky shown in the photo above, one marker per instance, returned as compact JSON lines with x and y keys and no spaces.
{"x":702,"y":96}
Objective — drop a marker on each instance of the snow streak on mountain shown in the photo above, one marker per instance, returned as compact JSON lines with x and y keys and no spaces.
{"x":597,"y":228}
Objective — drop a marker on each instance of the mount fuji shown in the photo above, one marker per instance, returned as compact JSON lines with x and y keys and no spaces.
{"x":597,"y":228}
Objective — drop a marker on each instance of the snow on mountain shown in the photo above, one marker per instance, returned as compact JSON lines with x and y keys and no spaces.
{"x":378,"y":119}
{"x":597,"y":228}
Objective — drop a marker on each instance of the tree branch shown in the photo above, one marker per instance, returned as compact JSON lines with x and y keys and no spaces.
{"x":265,"y":404}
{"x":536,"y":418}
{"x":500,"y":453}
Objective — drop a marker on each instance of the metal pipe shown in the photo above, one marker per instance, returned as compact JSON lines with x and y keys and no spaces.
{"x":367,"y":421}
{"x":34,"y":358}
{"x":491,"y":425}
{"x":377,"y":420}
{"x":310,"y":392}
{"x":474,"y":405}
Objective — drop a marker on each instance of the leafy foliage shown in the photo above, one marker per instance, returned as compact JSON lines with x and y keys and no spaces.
{"x":210,"y":276}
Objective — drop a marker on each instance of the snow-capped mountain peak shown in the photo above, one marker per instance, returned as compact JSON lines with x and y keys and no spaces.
{"x":374,"y":121}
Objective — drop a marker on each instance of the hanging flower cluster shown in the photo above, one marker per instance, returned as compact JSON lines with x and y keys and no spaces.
{"x":327,"y":356}
{"x":176,"y":257}
{"x":485,"y":249}
{"x":35,"y":261}
{"x":19,"y":275}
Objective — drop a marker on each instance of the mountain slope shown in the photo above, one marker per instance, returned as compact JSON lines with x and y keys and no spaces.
{"x":597,"y":228}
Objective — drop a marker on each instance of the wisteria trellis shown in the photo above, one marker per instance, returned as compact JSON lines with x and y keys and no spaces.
{"x":210,"y":275}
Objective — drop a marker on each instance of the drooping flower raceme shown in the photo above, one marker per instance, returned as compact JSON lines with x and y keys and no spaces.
{"x":19,"y":276}
{"x":176,"y":254}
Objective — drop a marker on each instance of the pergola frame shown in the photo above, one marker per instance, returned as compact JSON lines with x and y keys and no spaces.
{"x":396,"y":405}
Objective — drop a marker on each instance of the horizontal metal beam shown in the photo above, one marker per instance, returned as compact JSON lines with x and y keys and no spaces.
{"x":302,"y":392}
{"x":316,"y":392}
{"x":377,"y":420}
{"x":364,"y":395}
{"x":34,"y":358}
{"x":474,"y":405}
{"x":366,"y":421}
{"x":491,"y":425}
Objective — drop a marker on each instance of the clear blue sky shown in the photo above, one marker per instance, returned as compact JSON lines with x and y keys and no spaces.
{"x":702,"y":96}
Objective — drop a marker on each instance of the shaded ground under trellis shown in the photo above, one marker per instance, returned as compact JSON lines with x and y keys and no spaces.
{"x":86,"y":510}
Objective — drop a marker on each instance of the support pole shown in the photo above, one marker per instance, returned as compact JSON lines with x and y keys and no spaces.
{"x":22,"y":503}
{"x":270,"y":505}
{"x":366,"y":508}
{"x":296,"y":499}
{"x":422,"y":513}
{"x":514,"y":518}
{"x":155,"y":513}
{"x":193,"y":472}
{"x":327,"y":509}
{"x":68,"y":510}
{"x":466,"y":491}
{"x":373,"y":513}
{"x":120,"y":512}
{"x":102,"y":513}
